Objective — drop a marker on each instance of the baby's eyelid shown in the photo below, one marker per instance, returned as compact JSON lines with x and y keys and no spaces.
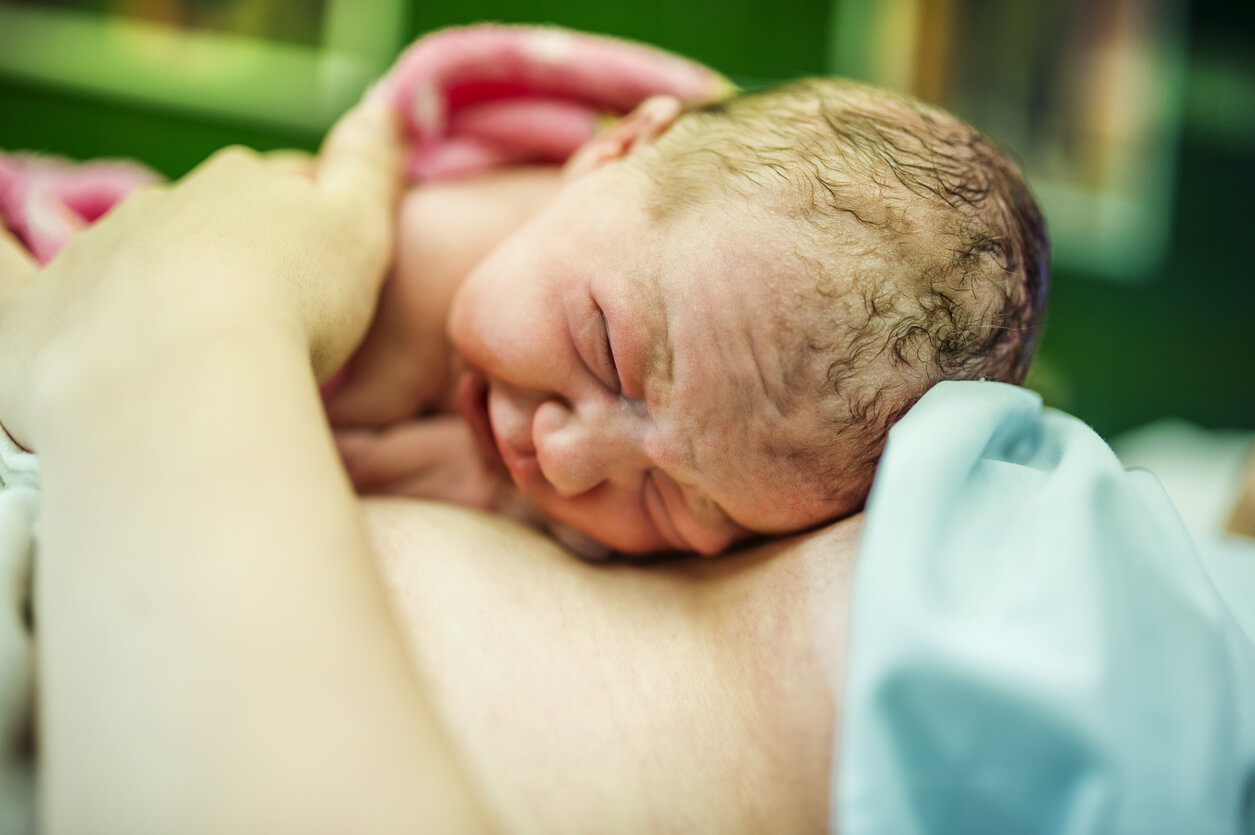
{"x":605,"y":355}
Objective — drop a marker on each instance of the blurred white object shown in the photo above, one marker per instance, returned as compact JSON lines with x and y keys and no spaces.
{"x":1201,"y":469}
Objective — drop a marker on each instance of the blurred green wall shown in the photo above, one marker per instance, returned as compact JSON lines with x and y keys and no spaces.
{"x":749,"y":40}
{"x":1182,"y":343}
{"x":1117,"y":355}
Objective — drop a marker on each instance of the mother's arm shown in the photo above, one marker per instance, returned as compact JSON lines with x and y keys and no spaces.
{"x":215,"y":650}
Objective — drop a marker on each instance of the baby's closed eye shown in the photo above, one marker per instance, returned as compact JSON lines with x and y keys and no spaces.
{"x":608,"y":369}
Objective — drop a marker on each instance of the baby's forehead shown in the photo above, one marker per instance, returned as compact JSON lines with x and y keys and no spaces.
{"x":803,"y":449}
{"x":806,"y":297}
{"x":801,"y":294}
{"x":840,"y":391}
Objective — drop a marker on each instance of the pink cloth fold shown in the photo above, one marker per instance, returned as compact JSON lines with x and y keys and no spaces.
{"x":472,"y":98}
{"x":45,"y":200}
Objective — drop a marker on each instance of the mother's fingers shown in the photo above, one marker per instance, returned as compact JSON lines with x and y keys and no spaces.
{"x":301,"y":163}
{"x":360,"y":164}
{"x":16,"y":264}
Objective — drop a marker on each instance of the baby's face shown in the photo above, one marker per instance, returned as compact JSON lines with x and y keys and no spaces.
{"x":629,"y":374}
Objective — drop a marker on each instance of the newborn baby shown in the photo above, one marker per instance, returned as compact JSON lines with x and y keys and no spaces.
{"x":702,"y":329}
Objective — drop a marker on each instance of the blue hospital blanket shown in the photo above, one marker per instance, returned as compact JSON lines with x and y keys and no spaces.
{"x":1035,"y":643}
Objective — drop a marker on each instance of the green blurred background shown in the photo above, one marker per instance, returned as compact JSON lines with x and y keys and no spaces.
{"x":1173,"y":338}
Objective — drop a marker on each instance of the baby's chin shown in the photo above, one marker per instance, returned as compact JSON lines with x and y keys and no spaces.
{"x":516,"y":504}
{"x":578,"y":542}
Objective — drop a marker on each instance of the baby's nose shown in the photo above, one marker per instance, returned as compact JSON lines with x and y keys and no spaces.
{"x":578,"y":449}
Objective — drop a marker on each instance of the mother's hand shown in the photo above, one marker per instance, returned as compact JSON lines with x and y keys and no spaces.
{"x":196,"y":529}
{"x":243,"y":242}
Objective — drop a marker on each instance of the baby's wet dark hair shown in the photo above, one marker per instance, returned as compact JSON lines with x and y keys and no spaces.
{"x":926,"y":254}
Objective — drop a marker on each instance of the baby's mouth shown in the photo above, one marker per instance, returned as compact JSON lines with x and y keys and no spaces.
{"x":473,"y":403}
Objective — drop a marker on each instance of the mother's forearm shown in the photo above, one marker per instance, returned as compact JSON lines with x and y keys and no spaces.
{"x":215,"y":650}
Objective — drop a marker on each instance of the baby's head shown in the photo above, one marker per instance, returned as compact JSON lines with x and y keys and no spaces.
{"x":708,"y":333}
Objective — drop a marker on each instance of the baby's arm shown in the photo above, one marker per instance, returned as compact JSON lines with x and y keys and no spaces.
{"x":404,"y":366}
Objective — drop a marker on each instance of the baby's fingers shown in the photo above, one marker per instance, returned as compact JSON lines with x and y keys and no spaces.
{"x":427,"y":458}
{"x":405,"y":451}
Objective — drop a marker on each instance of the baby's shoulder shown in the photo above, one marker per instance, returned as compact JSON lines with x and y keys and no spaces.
{"x":473,"y":210}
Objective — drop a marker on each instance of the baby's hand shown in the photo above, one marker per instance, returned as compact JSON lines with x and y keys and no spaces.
{"x":401,"y":368}
{"x":435,"y":458}
{"x":426,"y":458}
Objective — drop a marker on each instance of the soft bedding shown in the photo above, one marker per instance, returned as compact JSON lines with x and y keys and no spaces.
{"x":1036,"y":643}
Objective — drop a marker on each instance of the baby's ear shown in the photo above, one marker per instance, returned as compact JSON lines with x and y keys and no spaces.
{"x":650,"y":118}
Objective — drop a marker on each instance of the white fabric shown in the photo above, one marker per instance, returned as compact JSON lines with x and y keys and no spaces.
{"x":19,"y":507}
{"x":1200,"y":469}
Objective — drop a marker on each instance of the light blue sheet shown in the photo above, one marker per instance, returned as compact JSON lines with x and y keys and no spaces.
{"x":1035,"y":644}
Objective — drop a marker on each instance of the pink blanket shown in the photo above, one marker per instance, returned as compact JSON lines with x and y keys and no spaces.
{"x":472,"y":98}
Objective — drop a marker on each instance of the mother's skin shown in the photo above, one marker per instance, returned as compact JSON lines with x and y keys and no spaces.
{"x":696,"y":696}
{"x":215,"y":648}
